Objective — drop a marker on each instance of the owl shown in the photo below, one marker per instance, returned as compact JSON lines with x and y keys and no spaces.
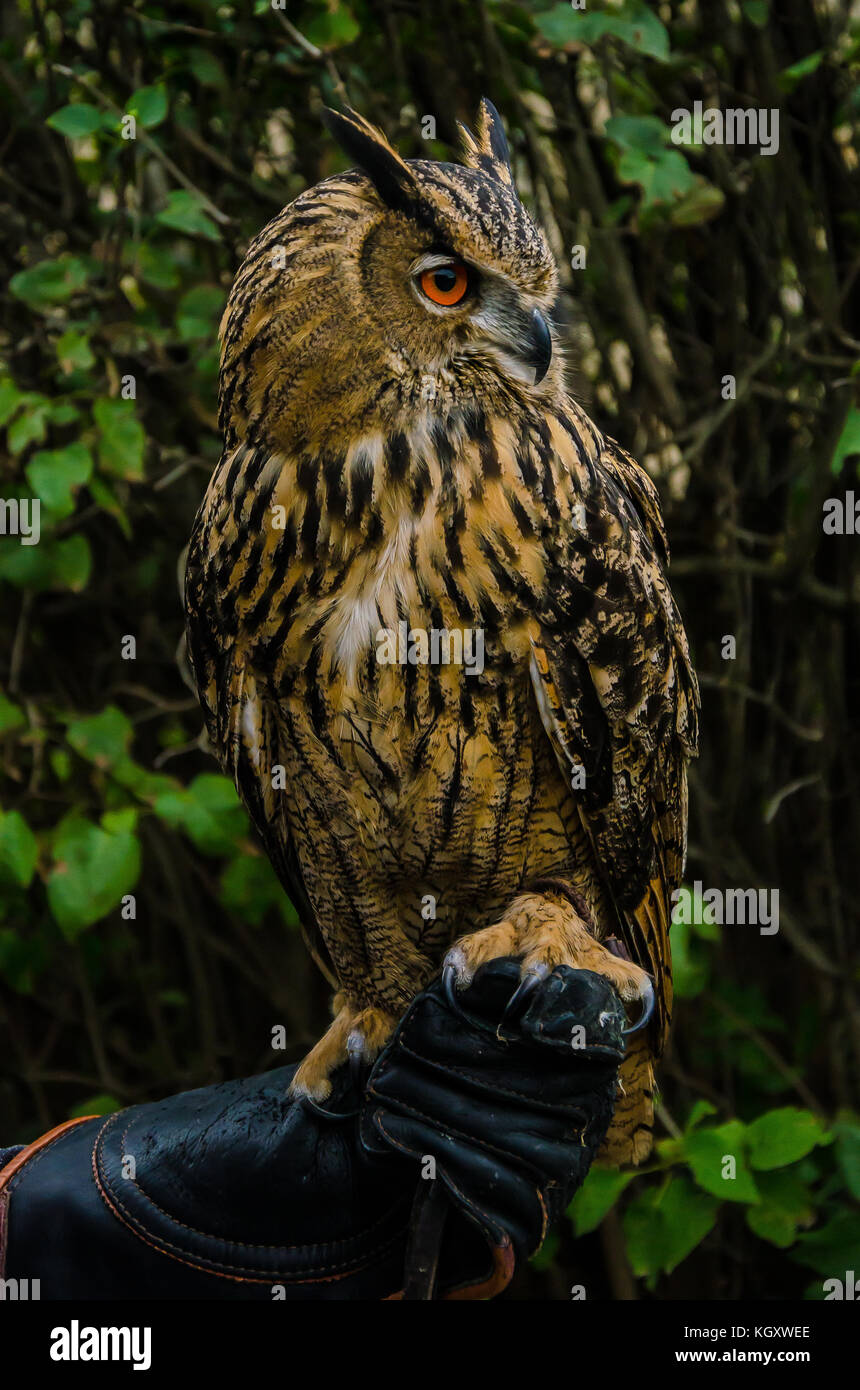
{"x":428,"y":613}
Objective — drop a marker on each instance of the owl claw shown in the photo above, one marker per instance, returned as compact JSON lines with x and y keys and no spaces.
{"x":526,"y":987}
{"x":449,"y":985}
{"x":648,"y":1001}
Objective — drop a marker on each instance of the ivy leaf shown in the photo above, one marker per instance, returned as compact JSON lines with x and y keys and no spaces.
{"x":76,"y":121}
{"x":185,"y":213}
{"x":56,"y":474}
{"x":199,"y":311}
{"x":250,"y":886}
{"x":700,"y":1111}
{"x":596,"y":1197}
{"x":634,"y":25}
{"x":11,"y":399}
{"x":832,"y":1249}
{"x":53,"y":564}
{"x":91,"y":873}
{"x":11,"y":717}
{"x":102,"y":738}
{"x":74,"y":352}
{"x":786,"y":1204}
{"x":121,"y":438}
{"x":790,"y":77}
{"x":148,"y":105}
{"x":208,"y":811}
{"x":31,"y":427}
{"x":19,"y":851}
{"x":705,"y":1151}
{"x":50,"y":282}
{"x":662,"y":1225}
{"x":848,"y":442}
{"x":783,"y":1136}
{"x":333,"y":29}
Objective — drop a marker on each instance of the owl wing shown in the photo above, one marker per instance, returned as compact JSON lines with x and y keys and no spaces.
{"x":619,"y":699}
{"x":239,"y":710}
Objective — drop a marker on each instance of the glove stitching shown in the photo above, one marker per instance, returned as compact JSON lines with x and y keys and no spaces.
{"x":103,"y":1178}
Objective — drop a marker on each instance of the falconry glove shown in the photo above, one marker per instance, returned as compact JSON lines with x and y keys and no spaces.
{"x":473,"y":1130}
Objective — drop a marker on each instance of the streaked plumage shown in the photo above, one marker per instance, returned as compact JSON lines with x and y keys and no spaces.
{"x":388,"y":461}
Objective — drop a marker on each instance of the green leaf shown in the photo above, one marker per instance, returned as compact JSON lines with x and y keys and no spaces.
{"x":790,"y":77}
{"x":11,"y":399}
{"x":634,"y":25}
{"x":832,"y":1249}
{"x":76,"y":121}
{"x":148,"y":105}
{"x":53,"y":564}
{"x":690,"y":962}
{"x":121,"y":438}
{"x":31,"y":427}
{"x":646,"y":134}
{"x":92,"y":871}
{"x":206,"y":67}
{"x":156,"y":265}
{"x":596,"y":1197}
{"x":102,"y":738}
{"x":71,"y":563}
{"x":11,"y":717}
{"x":250,"y":886}
{"x":756,"y":11}
{"x":185,"y":213}
{"x":333,"y":29}
{"x":55,"y":476}
{"x":199,"y":311}
{"x":121,"y":822}
{"x":19,"y":851}
{"x":786,"y":1204}
{"x":700,"y":1111}
{"x":101,"y":1104}
{"x":73,"y":351}
{"x":208,"y":811}
{"x":848,"y":442}
{"x":662,"y":1225}
{"x":783,"y":1136}
{"x":50,"y":282}
{"x":705,"y":1150}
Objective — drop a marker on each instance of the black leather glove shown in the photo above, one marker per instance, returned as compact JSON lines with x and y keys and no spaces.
{"x":240,"y":1191}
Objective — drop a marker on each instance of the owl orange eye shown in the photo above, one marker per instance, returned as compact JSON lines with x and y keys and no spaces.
{"x":445,"y":284}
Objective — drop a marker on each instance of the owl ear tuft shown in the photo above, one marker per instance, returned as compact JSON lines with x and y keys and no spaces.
{"x":489,"y":150}
{"x":390,"y":175}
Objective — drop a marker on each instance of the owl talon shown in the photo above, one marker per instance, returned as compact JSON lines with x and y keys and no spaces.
{"x":648,"y":999}
{"x":518,"y":1001}
{"x":449,"y":985}
{"x":356,"y":1061}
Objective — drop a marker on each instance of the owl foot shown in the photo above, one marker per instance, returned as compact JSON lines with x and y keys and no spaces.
{"x":356,"y":1035}
{"x":545,"y":930}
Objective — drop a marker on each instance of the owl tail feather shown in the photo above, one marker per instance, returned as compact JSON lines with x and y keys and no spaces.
{"x":630,"y":1136}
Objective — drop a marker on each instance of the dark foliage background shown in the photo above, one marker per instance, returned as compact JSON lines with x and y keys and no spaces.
{"x":700,"y":262}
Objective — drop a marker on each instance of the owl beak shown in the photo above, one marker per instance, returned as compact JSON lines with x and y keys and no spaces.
{"x":538,"y":349}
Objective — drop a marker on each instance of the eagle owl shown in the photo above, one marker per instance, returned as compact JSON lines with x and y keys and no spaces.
{"x":427,"y":609}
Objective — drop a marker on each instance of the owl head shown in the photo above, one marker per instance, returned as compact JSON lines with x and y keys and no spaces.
{"x":400,"y":286}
